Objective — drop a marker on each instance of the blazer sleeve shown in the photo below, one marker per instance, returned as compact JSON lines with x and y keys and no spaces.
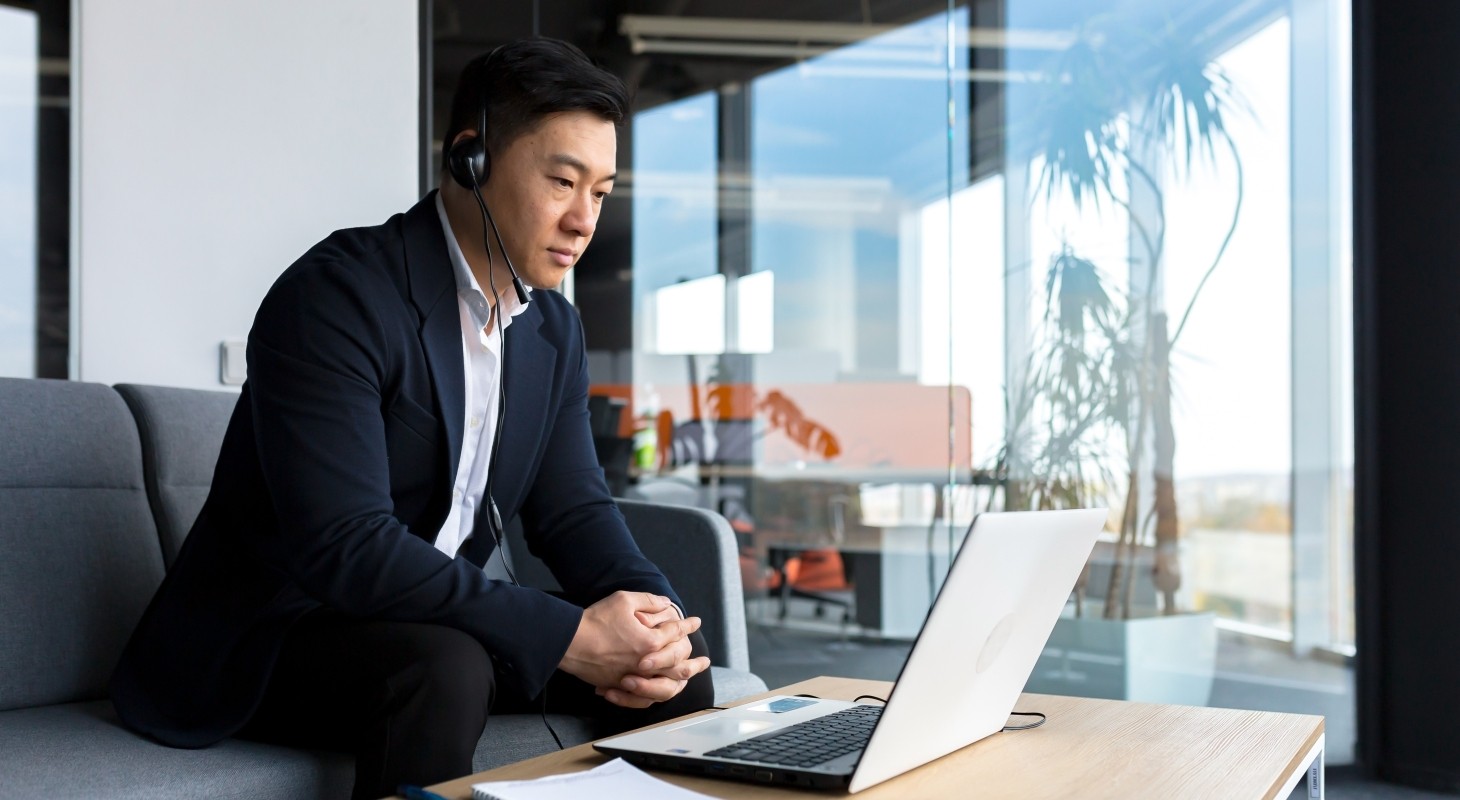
{"x":318,"y":358}
{"x":569,"y":518}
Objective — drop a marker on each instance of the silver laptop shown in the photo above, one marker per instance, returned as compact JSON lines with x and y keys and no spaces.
{"x":987,"y":626}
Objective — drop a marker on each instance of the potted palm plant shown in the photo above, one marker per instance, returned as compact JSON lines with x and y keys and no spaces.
{"x":1089,"y":423}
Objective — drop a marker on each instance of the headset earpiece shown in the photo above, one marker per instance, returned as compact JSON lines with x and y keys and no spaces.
{"x":470,"y":166}
{"x":469,"y":163}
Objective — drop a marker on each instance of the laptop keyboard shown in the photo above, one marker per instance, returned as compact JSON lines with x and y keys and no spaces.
{"x":806,"y":744}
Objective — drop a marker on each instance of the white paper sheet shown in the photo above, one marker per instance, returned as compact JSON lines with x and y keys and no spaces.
{"x":616,"y":780}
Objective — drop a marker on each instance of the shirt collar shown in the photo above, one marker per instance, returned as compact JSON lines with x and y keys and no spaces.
{"x":466,"y":283}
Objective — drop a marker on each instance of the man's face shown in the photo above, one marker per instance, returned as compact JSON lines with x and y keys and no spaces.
{"x":546,"y":189}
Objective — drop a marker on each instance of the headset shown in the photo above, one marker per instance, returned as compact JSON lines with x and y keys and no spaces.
{"x":470,"y":165}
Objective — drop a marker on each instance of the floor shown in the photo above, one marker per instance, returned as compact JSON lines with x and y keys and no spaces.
{"x":1249,"y":675}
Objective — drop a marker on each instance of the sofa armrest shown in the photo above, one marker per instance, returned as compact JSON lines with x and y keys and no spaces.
{"x":696,"y":550}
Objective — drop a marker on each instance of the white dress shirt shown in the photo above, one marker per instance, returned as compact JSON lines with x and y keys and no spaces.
{"x":482,"y":366}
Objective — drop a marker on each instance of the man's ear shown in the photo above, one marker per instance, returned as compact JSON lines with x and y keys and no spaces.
{"x":467,"y":161}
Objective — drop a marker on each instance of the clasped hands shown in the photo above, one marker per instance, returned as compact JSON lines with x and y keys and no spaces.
{"x":634,"y":648}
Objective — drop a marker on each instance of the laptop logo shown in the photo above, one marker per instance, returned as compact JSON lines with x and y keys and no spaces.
{"x":994,"y":645}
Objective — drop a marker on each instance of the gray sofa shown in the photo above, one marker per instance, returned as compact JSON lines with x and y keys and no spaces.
{"x":98,"y":488}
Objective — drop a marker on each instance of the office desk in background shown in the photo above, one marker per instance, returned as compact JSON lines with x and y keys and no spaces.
{"x":1088,"y":749}
{"x":894,"y":577}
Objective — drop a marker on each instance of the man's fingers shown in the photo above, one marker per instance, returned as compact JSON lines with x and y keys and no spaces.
{"x":647,"y":601}
{"x":684,"y":670}
{"x":675,"y":630}
{"x":681,"y":669}
{"x":642,"y":691}
{"x":655,"y":689}
{"x":657,"y":618}
{"x":673,"y":652}
{"x":695,"y":666}
{"x":671,"y":644}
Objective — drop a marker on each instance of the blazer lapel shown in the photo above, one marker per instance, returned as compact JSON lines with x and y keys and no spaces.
{"x":531,"y":364}
{"x":432,"y":287}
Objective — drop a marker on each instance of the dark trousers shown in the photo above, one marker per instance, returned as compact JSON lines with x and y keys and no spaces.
{"x":411,"y":700}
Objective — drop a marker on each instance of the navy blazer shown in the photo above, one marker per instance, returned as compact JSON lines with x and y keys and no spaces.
{"x":336,"y":474}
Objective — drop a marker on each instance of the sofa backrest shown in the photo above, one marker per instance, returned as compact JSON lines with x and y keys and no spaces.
{"x":182,"y":432}
{"x":79,"y":553}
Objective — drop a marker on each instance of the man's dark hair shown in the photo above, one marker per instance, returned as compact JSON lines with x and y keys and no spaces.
{"x":524,"y":81}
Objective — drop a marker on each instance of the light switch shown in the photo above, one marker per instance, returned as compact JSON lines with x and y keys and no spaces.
{"x":233,"y":358}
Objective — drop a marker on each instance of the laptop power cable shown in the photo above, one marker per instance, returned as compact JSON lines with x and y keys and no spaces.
{"x":1030,"y":726}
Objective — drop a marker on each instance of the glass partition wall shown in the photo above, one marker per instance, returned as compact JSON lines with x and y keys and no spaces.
{"x":35,"y":212}
{"x":19,"y":119}
{"x":871,"y":270}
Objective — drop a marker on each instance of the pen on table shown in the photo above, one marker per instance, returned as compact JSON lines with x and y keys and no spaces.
{"x":417,"y":793}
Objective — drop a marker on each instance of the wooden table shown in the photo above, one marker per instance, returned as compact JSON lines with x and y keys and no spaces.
{"x":1087,"y":749}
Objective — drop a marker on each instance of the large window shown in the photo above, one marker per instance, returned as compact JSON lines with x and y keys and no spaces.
{"x":19,"y":50}
{"x":35,"y":214}
{"x":869,"y":273}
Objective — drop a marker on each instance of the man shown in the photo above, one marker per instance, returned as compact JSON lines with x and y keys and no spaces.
{"x":331,"y":593}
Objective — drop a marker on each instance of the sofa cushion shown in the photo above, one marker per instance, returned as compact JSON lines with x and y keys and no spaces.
{"x":81,"y":750}
{"x":81,"y":552}
{"x":182,"y":432}
{"x":510,"y":738}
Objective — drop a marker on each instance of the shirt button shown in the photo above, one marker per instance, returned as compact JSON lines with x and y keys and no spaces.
{"x":456,"y":494}
{"x":475,"y":422}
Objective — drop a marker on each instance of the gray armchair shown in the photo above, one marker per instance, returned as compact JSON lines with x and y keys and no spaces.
{"x":696,"y":550}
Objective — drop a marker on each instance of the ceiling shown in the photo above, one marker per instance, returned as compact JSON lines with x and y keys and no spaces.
{"x":467,"y":28}
{"x":464,"y":29}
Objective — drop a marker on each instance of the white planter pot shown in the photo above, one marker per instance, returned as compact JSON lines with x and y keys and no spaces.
{"x":1158,"y":659}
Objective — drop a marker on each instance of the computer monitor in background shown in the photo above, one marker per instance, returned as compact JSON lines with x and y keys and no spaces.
{"x":613,"y":450}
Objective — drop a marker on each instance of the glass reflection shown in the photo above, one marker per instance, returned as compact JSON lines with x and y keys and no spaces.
{"x":18,"y":106}
{"x":897,"y":264}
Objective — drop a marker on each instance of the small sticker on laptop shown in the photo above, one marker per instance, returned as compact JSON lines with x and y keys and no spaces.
{"x":783,"y":705}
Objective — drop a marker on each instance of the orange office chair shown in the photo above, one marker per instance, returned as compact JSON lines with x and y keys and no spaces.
{"x":819,"y":574}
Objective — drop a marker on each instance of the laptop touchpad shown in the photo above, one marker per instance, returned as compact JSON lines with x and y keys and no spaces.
{"x":721,"y":728}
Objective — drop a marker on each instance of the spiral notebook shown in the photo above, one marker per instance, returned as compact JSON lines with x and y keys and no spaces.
{"x":615,"y":780}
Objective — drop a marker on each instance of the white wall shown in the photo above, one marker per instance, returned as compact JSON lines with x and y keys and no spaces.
{"x":213,"y":144}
